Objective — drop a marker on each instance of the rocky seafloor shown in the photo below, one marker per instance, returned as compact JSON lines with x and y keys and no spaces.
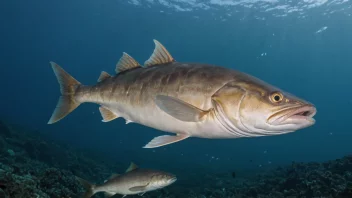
{"x":32,"y":166}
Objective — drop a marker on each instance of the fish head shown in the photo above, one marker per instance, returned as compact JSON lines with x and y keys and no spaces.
{"x":252,"y":107}
{"x":162,"y":180}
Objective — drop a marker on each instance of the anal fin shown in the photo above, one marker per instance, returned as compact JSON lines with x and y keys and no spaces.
{"x":128,"y":121}
{"x":107,"y":114}
{"x":165,"y":140}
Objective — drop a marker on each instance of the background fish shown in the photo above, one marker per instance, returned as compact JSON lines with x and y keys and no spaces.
{"x":134,"y":181}
{"x":189,"y":99}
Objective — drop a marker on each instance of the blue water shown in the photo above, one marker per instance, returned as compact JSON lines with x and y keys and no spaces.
{"x":87,"y":37}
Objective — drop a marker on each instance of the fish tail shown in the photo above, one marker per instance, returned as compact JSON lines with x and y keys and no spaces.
{"x":68,"y":87}
{"x":88,"y":187}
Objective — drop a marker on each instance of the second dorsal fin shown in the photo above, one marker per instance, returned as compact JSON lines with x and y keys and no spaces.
{"x":132,"y":167}
{"x":159,"y":56}
{"x":126,"y":62}
{"x":104,"y":75}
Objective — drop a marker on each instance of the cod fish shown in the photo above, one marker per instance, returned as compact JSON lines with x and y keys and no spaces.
{"x":187,"y":99}
{"x":134,"y":181}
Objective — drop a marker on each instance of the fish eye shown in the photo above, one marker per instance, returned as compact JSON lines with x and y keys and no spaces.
{"x":276,"y":97}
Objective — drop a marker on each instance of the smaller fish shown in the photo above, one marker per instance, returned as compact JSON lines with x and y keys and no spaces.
{"x":133,"y":181}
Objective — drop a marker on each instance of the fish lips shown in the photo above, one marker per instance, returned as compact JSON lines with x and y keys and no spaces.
{"x":172,"y":180}
{"x":301,"y":115}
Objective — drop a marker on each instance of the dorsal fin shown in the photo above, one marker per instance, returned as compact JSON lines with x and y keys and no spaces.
{"x":126,"y":62}
{"x":159,"y":56}
{"x":131,"y":167}
{"x":103,"y":75}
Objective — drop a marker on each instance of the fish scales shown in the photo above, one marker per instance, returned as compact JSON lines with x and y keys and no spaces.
{"x":136,"y":89}
{"x":187,"y":99}
{"x":134,"y":181}
{"x":140,"y":86}
{"x":139,"y":177}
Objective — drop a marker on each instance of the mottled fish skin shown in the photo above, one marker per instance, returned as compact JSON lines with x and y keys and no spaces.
{"x":188,"y":99}
{"x":140,"y":177}
{"x":133,"y":181}
{"x":131,"y":95}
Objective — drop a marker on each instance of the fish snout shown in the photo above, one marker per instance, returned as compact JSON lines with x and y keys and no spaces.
{"x":169,"y":179}
{"x":162,"y":181}
{"x":302,"y":114}
{"x":172,"y":179}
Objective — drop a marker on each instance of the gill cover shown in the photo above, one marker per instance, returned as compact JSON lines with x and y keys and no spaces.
{"x":227,"y":101}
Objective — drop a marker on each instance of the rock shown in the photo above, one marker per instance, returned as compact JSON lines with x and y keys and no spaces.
{"x":4,"y":130}
{"x":3,"y":194}
{"x":11,"y":153}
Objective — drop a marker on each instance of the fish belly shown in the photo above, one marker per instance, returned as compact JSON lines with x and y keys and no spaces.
{"x":152,"y":116}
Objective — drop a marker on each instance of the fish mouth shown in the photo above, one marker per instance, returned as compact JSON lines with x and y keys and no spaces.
{"x":302,"y":115}
{"x":172,"y":180}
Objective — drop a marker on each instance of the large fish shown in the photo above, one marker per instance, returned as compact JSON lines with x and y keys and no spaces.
{"x":188,"y":99}
{"x":133,"y":181}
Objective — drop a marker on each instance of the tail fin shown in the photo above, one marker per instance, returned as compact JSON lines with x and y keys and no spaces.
{"x":88,"y":186}
{"x":68,"y":86}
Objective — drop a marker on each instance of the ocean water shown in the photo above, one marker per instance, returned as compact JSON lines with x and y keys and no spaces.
{"x":303,"y":47}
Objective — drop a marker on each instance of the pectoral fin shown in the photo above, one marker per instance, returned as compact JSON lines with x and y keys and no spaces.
{"x":138,"y":188}
{"x":165,"y":140}
{"x":180,"y":109}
